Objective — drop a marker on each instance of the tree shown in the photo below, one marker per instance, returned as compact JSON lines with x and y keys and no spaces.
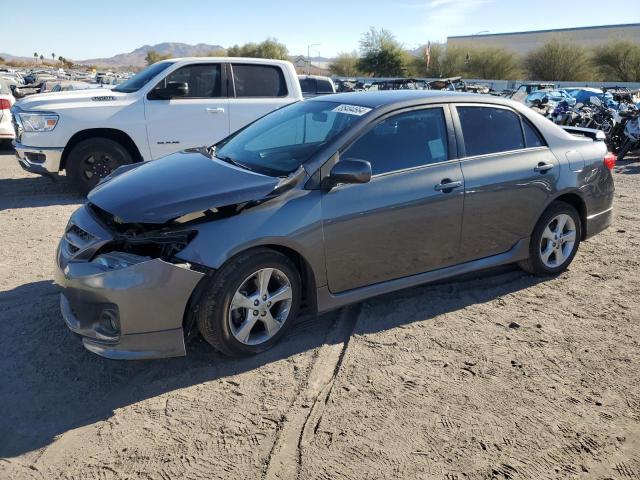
{"x":492,"y":63}
{"x":53,"y":57}
{"x":153,"y":57}
{"x":382,"y":55}
{"x":41,"y":58}
{"x":61,"y":59}
{"x":270,"y":48}
{"x":618,"y":60}
{"x":345,"y":65}
{"x":559,"y":60}
{"x":35,"y":56}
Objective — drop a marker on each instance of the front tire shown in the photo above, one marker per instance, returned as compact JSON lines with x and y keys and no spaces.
{"x":93,"y":159}
{"x":555,"y":240}
{"x":250,"y":303}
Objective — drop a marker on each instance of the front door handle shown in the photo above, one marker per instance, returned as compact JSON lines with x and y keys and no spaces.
{"x":448,"y":185}
{"x":543,"y":167}
{"x":215,"y":110}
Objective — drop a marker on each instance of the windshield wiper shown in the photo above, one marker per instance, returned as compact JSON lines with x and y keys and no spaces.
{"x":232,"y":161}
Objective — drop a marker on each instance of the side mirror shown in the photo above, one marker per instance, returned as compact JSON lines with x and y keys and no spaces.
{"x":349,"y":170}
{"x":172,"y":90}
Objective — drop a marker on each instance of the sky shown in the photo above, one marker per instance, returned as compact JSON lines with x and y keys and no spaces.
{"x":86,"y":29}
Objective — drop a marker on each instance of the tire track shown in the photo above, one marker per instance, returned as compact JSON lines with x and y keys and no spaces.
{"x":305,"y":414}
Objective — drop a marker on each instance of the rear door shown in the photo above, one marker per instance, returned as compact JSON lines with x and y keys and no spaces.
{"x":509,"y":175}
{"x":405,"y":220}
{"x":198,"y":119}
{"x":255,"y":90}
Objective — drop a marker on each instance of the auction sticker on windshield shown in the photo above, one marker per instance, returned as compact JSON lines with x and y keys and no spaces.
{"x":351,"y":109}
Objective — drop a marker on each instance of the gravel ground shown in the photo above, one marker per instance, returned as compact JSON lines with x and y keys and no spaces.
{"x":500,"y":375}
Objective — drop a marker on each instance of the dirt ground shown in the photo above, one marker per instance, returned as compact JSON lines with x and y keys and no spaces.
{"x":500,"y":375}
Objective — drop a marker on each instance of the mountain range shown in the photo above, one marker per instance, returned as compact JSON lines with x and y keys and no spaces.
{"x":136,"y":58}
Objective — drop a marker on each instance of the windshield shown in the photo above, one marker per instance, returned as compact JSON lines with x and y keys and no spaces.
{"x":280,"y":142}
{"x":139,"y":80}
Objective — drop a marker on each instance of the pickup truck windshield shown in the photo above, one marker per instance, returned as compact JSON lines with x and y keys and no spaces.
{"x":280,"y":142}
{"x":139,"y":80}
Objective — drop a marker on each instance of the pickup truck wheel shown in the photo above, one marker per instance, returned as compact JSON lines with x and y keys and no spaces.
{"x":93,"y":159}
{"x":555,"y":240}
{"x":249,"y":303}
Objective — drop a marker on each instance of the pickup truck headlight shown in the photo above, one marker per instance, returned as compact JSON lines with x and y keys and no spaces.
{"x":38,"y":122}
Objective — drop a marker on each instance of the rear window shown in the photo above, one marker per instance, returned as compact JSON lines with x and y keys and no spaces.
{"x":308,"y":85}
{"x":490,"y":130}
{"x":258,"y":81}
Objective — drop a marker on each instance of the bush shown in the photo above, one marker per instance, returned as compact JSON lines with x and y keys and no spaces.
{"x":618,"y":60}
{"x":561,"y":61}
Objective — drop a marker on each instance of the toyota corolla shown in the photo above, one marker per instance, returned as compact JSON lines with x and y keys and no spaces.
{"x":321,"y":204}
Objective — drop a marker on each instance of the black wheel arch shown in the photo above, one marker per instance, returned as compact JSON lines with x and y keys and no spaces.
{"x":576,"y":200}
{"x":110,"y":133}
{"x":309,"y":300}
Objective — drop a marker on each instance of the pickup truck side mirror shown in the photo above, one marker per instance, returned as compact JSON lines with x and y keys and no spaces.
{"x":349,"y":170}
{"x":172,"y":90}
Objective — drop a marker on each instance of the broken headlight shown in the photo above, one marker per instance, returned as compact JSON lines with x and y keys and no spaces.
{"x":118,"y":260}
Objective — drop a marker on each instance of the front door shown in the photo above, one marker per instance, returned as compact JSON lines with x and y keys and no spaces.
{"x":197,"y":119}
{"x":405,"y":220}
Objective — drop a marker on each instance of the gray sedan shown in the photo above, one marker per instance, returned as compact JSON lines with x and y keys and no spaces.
{"x":321,"y":204}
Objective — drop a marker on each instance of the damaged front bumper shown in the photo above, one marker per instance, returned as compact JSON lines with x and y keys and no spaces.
{"x":132,"y":311}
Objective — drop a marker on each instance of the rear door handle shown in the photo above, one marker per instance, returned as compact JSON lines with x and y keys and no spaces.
{"x":215,"y":110}
{"x":543,"y":167}
{"x":447,"y":185}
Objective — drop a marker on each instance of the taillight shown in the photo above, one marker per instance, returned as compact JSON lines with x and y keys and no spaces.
{"x":609,"y":160}
{"x":4,"y":104}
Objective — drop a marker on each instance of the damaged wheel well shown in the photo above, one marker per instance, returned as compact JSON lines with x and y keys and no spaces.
{"x":308,"y":301}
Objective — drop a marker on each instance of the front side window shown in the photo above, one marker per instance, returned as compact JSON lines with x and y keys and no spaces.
{"x":280,"y":142}
{"x":407,"y":140}
{"x":203,"y":81}
{"x":490,"y":130}
{"x":258,"y":81}
{"x":139,"y":80}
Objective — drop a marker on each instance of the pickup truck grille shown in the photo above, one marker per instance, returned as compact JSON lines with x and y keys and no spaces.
{"x":16,"y":127}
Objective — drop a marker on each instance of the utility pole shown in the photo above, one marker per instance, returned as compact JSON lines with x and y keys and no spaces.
{"x":309,"y":56}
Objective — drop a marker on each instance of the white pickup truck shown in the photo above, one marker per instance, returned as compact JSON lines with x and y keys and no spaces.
{"x":170,"y":106}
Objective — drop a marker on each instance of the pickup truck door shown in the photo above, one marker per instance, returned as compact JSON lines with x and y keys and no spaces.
{"x":199,"y":118}
{"x":255,"y":90}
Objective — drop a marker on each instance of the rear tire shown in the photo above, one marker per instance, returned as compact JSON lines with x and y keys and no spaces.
{"x":237,"y":331}
{"x":93,"y":159}
{"x":555,"y":240}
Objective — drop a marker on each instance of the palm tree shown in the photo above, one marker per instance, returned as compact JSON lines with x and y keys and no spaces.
{"x":61,"y":59}
{"x":53,"y":57}
{"x":35,"y":55}
{"x":41,"y":58}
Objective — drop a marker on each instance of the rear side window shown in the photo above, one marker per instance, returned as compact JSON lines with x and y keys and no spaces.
{"x":258,"y":81}
{"x":406,"y":140}
{"x":324,"y":86}
{"x":490,"y":130}
{"x":531,"y":135}
{"x":203,"y":81}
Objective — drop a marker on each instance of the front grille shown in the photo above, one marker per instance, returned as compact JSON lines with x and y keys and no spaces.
{"x":76,"y":239}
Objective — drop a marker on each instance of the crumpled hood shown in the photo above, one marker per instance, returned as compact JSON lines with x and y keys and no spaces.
{"x":161,"y":190}
{"x":72,"y":99}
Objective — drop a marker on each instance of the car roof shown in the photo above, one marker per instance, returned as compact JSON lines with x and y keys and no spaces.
{"x":407,"y":97}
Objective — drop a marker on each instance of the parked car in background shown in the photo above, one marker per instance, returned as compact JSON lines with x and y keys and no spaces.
{"x":171,"y":105}
{"x":583,"y":94}
{"x":521,"y":93}
{"x":320,"y":204}
{"x":314,"y":85}
{"x":6,"y":102}
{"x":550,"y":97}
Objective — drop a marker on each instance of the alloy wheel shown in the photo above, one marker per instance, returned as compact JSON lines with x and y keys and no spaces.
{"x":558,"y":241}
{"x":260,"y":306}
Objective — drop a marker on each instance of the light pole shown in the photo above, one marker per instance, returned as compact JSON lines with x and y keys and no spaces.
{"x":309,"y":56}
